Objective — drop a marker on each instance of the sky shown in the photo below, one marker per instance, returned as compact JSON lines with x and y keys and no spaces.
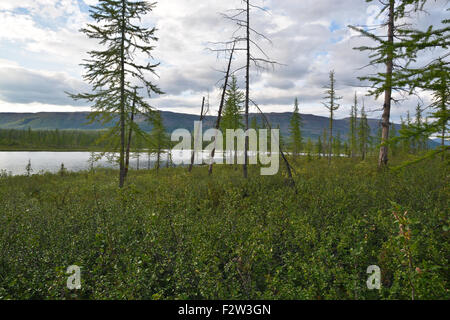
{"x":41,"y":50}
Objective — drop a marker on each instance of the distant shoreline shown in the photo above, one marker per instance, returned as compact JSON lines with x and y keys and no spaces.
{"x":24,"y":149}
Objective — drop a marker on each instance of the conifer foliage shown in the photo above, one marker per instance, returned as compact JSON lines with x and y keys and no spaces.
{"x":114,"y":73}
{"x":295,"y":131}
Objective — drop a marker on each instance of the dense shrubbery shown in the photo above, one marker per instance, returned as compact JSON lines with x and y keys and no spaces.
{"x":176,"y":235}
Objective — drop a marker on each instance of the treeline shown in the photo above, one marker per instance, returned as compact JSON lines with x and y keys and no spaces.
{"x":360,"y":142}
{"x":50,"y":139}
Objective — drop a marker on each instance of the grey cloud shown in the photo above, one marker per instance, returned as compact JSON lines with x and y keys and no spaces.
{"x":18,"y":85}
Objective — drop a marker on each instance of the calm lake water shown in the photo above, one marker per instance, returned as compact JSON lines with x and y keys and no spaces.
{"x":15,"y":163}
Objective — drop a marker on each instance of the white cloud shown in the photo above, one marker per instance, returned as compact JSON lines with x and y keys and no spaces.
{"x":310,"y":37}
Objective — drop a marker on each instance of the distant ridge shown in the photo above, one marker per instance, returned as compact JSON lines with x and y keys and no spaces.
{"x":312,"y":125}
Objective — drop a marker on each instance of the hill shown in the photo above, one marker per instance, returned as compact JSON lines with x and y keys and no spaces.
{"x":312,"y":125}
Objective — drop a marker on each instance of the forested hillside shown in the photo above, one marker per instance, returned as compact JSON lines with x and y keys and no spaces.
{"x":312,"y":126}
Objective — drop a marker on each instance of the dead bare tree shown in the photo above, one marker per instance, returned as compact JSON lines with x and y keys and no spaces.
{"x":222,"y":102}
{"x":202,"y":115}
{"x":289,"y":168}
{"x":241,"y":17}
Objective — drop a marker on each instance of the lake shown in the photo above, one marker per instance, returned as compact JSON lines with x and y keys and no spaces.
{"x":15,"y":163}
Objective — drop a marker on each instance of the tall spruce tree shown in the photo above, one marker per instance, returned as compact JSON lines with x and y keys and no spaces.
{"x":114,"y":71}
{"x":296,"y":139}
{"x":232,"y":113}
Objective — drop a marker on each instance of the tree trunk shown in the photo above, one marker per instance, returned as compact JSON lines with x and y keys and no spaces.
{"x":286,"y":162}
{"x":222,"y":102}
{"x":330,"y":147}
{"x":130,"y":133}
{"x":247,"y":91}
{"x":193,"y":151}
{"x":122,"y":101}
{"x":383,"y":158}
{"x":444,"y":127}
{"x":158,"y":159}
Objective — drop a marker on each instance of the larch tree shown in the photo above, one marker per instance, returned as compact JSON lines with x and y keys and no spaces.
{"x":114,"y":73}
{"x":390,"y":53}
{"x":332,"y":106}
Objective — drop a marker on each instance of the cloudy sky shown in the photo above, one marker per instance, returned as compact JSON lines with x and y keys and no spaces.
{"x":41,"y":49}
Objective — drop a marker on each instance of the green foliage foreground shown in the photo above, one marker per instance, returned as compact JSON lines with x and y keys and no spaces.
{"x":175,"y":235}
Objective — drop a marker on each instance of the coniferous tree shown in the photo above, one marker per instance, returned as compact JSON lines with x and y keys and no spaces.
{"x":440,"y":115}
{"x":363,"y":133}
{"x":418,"y":140}
{"x":338,"y":145}
{"x":296,"y":139}
{"x":232,"y":113}
{"x":159,"y":139}
{"x":431,"y":76}
{"x":319,"y":148}
{"x":332,"y":106}
{"x":389,"y":53}
{"x":347,"y":149}
{"x":309,"y":148}
{"x":325,"y":142}
{"x":113,"y":72}
{"x":394,"y":143}
{"x":353,"y":127}
{"x":404,"y":142}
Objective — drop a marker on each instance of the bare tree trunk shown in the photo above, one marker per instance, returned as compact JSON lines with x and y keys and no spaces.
{"x":130,"y":133}
{"x":444,"y":126}
{"x":158,"y":159}
{"x":193,"y":151}
{"x":383,"y":158}
{"x":222,"y":102}
{"x":122,"y":101}
{"x":286,"y":162}
{"x":247,"y":91}
{"x":330,"y":147}
{"x":443,"y":143}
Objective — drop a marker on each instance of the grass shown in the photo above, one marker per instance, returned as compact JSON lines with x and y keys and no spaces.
{"x":174,"y":235}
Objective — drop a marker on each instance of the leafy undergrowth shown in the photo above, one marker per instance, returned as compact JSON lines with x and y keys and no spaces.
{"x":175,"y":235}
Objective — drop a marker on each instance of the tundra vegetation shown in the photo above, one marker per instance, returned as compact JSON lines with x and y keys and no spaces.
{"x":338,"y":205}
